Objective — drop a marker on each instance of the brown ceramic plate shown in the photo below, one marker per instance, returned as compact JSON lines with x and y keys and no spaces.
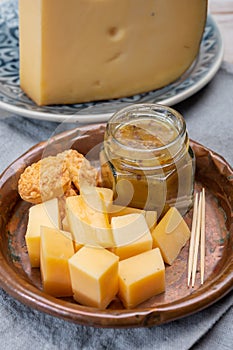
{"x":23,"y":283}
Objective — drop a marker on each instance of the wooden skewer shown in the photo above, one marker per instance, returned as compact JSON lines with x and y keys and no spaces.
{"x":203,"y":236}
{"x":192,"y":239}
{"x":197,"y":239}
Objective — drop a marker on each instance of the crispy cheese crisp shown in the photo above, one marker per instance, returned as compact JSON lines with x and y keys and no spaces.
{"x":56,"y":176}
{"x":80,"y":169}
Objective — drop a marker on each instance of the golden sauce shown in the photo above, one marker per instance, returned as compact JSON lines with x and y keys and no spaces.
{"x":149,"y":164}
{"x":146,"y":134}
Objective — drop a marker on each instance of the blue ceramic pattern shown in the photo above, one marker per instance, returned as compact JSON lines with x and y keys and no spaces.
{"x":13,"y":99}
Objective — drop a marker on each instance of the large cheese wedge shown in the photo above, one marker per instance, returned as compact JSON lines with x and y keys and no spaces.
{"x":89,"y":223}
{"x":141,"y":277}
{"x":94,"y":276}
{"x":170,"y":235}
{"x":83,"y":50}
{"x":43,"y":214}
{"x":131,"y":235}
{"x":56,"y":248}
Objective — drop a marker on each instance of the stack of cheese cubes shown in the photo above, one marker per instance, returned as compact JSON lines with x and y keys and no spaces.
{"x":102,"y":250}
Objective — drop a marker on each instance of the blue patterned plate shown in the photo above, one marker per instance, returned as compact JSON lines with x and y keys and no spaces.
{"x":13,"y":99}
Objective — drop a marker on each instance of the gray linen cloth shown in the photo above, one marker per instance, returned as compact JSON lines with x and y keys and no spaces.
{"x":209,"y":118}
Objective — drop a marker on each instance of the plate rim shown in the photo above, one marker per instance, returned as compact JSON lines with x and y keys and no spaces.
{"x":28,"y":294}
{"x":103,"y":117}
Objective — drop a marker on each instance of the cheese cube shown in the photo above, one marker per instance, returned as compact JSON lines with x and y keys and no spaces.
{"x":65,"y":224}
{"x":66,"y":227}
{"x":46,"y":214}
{"x":88,"y":224}
{"x":94,"y":276}
{"x":84,"y":50}
{"x":170,"y":235}
{"x":118,"y":210}
{"x":151,"y":218}
{"x":98,"y":198}
{"x":141,"y":277}
{"x":56,"y":248}
{"x":131,"y":235}
{"x":106,"y":194}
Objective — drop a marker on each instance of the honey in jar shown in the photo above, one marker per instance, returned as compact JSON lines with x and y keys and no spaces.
{"x":147,"y":160}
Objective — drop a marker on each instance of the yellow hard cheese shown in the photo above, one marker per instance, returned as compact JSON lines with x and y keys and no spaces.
{"x":118,"y":210}
{"x":84,"y":50}
{"x":92,"y":196}
{"x":131,"y":235}
{"x":46,"y":214}
{"x":151,"y":218}
{"x":88,"y":223}
{"x":94,"y":276}
{"x":170,"y":235}
{"x":106,"y":194}
{"x":65,"y":224}
{"x":66,"y":227}
{"x":141,"y":277}
{"x":56,"y":248}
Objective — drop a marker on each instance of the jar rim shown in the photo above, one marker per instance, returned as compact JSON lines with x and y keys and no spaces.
{"x":149,"y":110}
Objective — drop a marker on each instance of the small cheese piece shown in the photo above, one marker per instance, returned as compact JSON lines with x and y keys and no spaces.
{"x":131,"y":235}
{"x":170,"y":235}
{"x":89,"y":223}
{"x":66,"y":227}
{"x":65,"y":224}
{"x":92,"y":196}
{"x":141,"y":277}
{"x":94,"y":276}
{"x":151,"y":218}
{"x":56,"y":248}
{"x":46,"y":214}
{"x":106,"y":194}
{"x":130,"y":46}
{"x":118,"y":210}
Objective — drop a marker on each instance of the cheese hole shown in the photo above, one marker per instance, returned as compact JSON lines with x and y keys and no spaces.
{"x":115,"y":33}
{"x":97,"y":83}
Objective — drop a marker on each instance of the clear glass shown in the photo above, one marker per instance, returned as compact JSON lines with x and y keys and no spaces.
{"x":147,"y":160}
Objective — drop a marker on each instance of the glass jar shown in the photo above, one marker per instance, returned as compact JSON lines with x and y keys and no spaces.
{"x":147,"y":160}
